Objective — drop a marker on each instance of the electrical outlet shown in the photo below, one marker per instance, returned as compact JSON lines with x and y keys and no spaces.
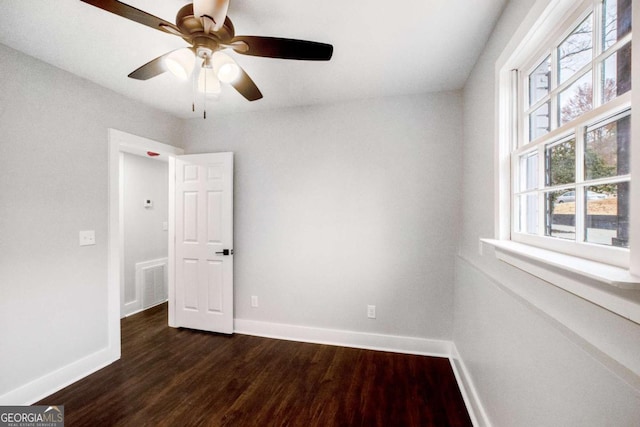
{"x":254,"y":301}
{"x":371,"y":311}
{"x":87,"y":238}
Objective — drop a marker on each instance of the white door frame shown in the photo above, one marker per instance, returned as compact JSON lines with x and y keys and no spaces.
{"x":119,"y":143}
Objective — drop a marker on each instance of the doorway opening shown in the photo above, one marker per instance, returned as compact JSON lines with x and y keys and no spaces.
{"x":144,"y":206}
{"x":122,"y":144}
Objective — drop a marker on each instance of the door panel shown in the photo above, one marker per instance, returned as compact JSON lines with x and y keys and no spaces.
{"x":215,"y":282}
{"x":203,"y":287}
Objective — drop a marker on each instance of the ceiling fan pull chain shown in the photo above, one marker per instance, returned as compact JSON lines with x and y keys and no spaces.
{"x":204,"y":95}
{"x":194,"y":77}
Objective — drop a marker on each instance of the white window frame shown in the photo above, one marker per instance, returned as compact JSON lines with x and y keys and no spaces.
{"x":575,"y":272}
{"x":520,"y":143}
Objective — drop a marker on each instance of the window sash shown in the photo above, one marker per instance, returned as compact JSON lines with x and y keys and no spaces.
{"x":579,"y":246}
{"x":550,"y":50}
{"x":576,"y":128}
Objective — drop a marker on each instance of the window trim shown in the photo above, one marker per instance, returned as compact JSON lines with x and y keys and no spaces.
{"x":542,"y":20}
{"x":575,"y":275}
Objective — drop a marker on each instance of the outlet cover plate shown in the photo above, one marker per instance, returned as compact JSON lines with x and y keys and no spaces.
{"x":87,"y":238}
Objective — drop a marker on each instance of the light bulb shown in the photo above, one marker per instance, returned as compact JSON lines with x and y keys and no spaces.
{"x":225,"y":67}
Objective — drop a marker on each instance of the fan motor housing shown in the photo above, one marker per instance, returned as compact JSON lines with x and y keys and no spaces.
{"x":189,"y":24}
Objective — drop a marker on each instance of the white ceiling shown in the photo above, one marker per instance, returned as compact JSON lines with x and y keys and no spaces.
{"x":381,"y":48}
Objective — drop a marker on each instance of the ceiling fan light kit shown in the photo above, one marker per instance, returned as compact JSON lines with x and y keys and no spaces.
{"x":225,"y":67}
{"x":204,"y":24}
{"x":208,"y":82}
{"x":180,"y":62}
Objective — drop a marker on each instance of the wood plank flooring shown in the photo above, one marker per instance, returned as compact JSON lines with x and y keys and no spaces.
{"x":179,"y":377}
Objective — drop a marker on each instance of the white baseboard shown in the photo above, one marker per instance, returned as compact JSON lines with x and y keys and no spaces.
{"x":57,"y":380}
{"x":130,"y":308}
{"x":469,"y":393}
{"x":144,"y":309}
{"x":392,"y":343}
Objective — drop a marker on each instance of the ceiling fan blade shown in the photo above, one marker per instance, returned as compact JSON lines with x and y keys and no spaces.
{"x":246,"y":87}
{"x":275,"y":47}
{"x":150,"y":69}
{"x":137,"y":15}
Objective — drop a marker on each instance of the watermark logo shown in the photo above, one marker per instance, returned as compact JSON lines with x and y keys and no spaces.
{"x":32,"y":416}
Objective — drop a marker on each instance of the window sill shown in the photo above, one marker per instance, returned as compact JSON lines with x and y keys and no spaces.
{"x":571,"y":274}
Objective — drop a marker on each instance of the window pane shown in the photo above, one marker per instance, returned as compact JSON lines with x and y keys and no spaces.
{"x":616,"y":74}
{"x":560,"y":214}
{"x":540,"y":81}
{"x":561,"y":163}
{"x":528,"y":213}
{"x":539,"y":121}
{"x":575,"y":100}
{"x":607,"y":150}
{"x":616,"y":21}
{"x":529,"y":171}
{"x":607,"y":216}
{"x":576,"y":50}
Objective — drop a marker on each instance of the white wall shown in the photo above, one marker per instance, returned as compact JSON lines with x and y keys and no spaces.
{"x":338,"y":207}
{"x":53,"y":175}
{"x":538,"y":355}
{"x":144,"y":237}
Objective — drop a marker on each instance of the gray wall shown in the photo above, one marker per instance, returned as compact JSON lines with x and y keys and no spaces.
{"x":53,"y":175}
{"x":144,"y":238}
{"x":538,"y":355}
{"x":336,"y":207}
{"x":341,"y":206}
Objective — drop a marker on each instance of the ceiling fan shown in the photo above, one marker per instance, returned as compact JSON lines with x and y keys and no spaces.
{"x":207,"y":28}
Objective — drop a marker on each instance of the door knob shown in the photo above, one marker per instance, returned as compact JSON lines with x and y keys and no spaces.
{"x":225,"y":252}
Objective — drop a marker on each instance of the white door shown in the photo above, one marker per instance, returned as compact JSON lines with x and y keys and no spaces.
{"x":203,"y":261}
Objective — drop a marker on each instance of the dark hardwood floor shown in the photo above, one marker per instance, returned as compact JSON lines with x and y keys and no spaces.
{"x":179,"y":377}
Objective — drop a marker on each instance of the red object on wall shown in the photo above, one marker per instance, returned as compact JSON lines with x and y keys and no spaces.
{"x":152,"y":154}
